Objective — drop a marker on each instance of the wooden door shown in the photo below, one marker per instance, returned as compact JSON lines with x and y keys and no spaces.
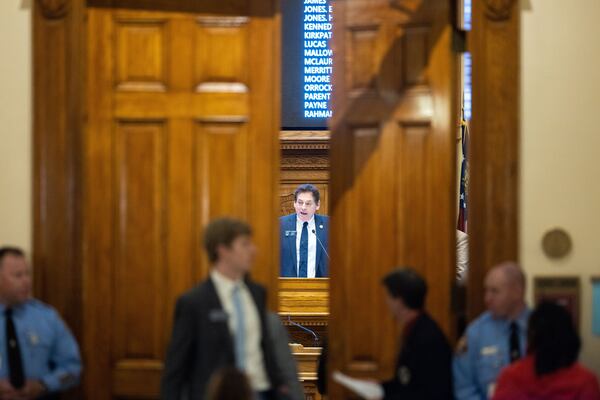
{"x":392,"y":171}
{"x":183,"y":121}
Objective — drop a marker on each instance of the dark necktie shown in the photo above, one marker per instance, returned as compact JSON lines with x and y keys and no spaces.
{"x":515,"y":348}
{"x":15,"y":363}
{"x":303,"y":265}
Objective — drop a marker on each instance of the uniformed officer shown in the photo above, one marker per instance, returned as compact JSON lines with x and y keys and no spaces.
{"x":38,"y":355}
{"x":496,"y":338}
{"x":424,"y":364}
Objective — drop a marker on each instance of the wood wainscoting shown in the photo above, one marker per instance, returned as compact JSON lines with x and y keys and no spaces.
{"x":304,"y":310}
{"x":305,"y":302}
{"x":304,"y":159}
{"x":307,"y":358}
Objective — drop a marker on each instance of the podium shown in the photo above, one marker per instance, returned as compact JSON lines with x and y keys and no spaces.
{"x":304,"y":310}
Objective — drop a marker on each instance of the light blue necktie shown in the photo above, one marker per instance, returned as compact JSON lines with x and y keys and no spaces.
{"x":240,"y":329}
{"x":303,"y":265}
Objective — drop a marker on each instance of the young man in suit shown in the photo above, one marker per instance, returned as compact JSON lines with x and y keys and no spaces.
{"x":222,"y":322}
{"x":304,"y":237}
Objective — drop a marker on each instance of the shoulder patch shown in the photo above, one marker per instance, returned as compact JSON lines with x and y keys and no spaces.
{"x":404,"y":375}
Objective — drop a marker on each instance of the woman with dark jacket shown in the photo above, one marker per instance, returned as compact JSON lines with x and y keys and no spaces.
{"x":550,"y":371}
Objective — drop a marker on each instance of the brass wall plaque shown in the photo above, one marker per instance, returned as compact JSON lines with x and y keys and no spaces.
{"x":556,"y":243}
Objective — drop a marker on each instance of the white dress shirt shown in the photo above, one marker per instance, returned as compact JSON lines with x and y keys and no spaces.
{"x":312,"y":247}
{"x":255,"y":363}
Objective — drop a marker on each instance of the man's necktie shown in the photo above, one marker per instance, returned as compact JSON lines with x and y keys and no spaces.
{"x":15,"y":363}
{"x":515,"y":348}
{"x":240,"y":329}
{"x":303,"y":265}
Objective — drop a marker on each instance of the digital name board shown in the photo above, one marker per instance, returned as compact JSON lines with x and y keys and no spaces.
{"x":307,"y":64}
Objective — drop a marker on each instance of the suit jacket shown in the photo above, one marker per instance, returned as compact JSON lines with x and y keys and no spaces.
{"x":202,"y":344}
{"x":284,"y":357}
{"x":424,"y":365}
{"x":288,"y":264}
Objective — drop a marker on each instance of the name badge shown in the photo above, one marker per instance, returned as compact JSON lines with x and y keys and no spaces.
{"x":218,"y":316}
{"x":290,"y":233}
{"x":34,"y":339}
{"x":489,"y":350}
{"x":404,"y":375}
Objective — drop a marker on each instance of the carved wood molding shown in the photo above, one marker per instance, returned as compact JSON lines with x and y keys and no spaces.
{"x":316,"y":319}
{"x":308,"y":162}
{"x":54,"y":9}
{"x":304,"y":145}
{"x":406,"y":6}
{"x":222,"y":21}
{"x":305,"y":140}
{"x":498,"y":10}
{"x":304,"y":135}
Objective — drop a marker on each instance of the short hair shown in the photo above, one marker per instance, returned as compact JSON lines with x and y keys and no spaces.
{"x":308,"y":188}
{"x":223,"y":231}
{"x":10,"y":251}
{"x":514,"y":273}
{"x":405,"y":283}
{"x":552,"y":338}
{"x":229,"y":384}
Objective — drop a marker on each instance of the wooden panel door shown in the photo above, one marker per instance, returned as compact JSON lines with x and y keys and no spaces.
{"x":182,"y":128}
{"x":392,"y":171}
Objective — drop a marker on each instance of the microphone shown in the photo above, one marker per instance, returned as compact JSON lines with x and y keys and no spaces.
{"x":321,"y":243}
{"x":305,"y":329}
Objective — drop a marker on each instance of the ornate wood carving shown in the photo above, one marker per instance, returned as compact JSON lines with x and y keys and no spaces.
{"x":499,"y":10}
{"x":304,"y":159}
{"x":54,"y":9}
{"x":287,"y":203}
{"x":299,"y":162}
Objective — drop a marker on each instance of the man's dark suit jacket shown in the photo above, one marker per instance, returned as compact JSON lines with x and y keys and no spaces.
{"x":202,"y":344}
{"x":424,"y":365}
{"x":287,"y":240}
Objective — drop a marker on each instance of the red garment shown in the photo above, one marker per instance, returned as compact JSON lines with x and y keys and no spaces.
{"x":409,"y":326}
{"x":519,"y":382}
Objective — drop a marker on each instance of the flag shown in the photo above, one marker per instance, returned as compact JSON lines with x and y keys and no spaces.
{"x":464,"y":176}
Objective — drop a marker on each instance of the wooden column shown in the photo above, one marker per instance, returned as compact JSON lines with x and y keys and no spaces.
{"x":58,"y":97}
{"x":494,"y":164}
{"x":58,"y":76}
